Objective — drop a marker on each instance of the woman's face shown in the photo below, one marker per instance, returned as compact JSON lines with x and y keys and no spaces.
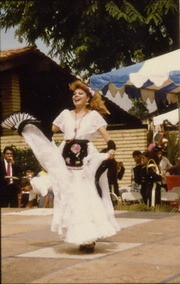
{"x":80,"y":98}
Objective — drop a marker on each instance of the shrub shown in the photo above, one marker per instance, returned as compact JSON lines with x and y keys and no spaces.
{"x":173,"y":150}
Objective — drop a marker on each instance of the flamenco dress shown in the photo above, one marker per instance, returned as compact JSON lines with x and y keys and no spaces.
{"x":80,"y":215}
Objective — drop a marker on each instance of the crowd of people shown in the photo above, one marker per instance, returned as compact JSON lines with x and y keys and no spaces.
{"x":28,"y":190}
{"x":76,"y":178}
{"x":150,"y":173}
{"x":23,"y":189}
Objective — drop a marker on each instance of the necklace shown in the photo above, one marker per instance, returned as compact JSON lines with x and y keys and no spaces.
{"x":77,"y":125}
{"x":78,"y":122}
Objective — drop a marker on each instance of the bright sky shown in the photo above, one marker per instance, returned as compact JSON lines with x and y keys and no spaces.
{"x":9,"y":41}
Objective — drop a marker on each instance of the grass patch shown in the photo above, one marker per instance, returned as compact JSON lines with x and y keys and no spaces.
{"x":144,"y":207}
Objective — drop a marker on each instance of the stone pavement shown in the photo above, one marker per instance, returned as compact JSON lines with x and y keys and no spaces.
{"x":146,"y":250}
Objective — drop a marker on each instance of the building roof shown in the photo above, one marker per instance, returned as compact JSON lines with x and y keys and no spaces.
{"x":11,"y":56}
{"x":13,"y":53}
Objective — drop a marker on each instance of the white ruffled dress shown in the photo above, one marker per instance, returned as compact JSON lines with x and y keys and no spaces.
{"x":80,"y":215}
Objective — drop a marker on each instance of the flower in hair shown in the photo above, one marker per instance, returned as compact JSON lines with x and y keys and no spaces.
{"x":91,"y":92}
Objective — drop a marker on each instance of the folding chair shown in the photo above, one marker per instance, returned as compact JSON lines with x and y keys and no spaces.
{"x":131,"y":197}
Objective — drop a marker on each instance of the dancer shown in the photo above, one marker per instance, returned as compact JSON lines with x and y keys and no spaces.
{"x":80,"y":216}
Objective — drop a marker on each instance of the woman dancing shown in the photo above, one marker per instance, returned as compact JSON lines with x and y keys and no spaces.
{"x":80,"y":215}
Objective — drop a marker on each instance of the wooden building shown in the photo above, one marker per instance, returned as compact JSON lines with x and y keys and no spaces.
{"x":32,"y":82}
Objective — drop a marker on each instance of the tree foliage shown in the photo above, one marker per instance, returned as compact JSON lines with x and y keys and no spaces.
{"x":173,"y":150}
{"x":139,"y":108}
{"x":96,"y":35}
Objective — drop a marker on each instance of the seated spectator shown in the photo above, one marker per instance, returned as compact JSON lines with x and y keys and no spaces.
{"x":173,"y":180}
{"x":136,"y":171}
{"x":30,"y":173}
{"x":175,"y":170}
{"x":25,"y":194}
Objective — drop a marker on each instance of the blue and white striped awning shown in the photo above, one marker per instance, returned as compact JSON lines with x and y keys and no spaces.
{"x":156,"y":77}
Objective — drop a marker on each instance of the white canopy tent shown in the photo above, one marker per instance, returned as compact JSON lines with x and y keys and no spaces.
{"x":160,"y":74}
{"x":171,"y":116}
{"x":154,"y":79}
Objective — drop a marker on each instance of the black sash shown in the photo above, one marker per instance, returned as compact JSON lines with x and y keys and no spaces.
{"x":74,"y":152}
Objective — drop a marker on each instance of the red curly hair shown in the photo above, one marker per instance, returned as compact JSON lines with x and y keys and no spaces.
{"x":95,"y":102}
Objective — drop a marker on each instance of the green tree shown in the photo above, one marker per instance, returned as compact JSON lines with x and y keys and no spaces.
{"x":95,"y":36}
{"x":26,"y":160}
{"x":173,"y":150}
{"x":139,"y":108}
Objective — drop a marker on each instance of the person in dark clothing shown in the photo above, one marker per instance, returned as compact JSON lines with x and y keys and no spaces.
{"x":115,"y":171}
{"x":136,"y":170}
{"x":175,"y":170}
{"x":9,"y":179}
{"x":151,"y":180}
{"x":24,"y":194}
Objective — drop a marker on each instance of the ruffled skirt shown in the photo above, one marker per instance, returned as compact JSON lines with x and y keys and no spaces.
{"x":80,"y":216}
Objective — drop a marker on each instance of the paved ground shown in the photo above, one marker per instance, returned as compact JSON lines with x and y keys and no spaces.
{"x":146,"y":250}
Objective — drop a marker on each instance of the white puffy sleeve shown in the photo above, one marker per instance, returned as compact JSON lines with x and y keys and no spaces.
{"x":90,"y":126}
{"x":60,"y":120}
{"x":97,"y":121}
